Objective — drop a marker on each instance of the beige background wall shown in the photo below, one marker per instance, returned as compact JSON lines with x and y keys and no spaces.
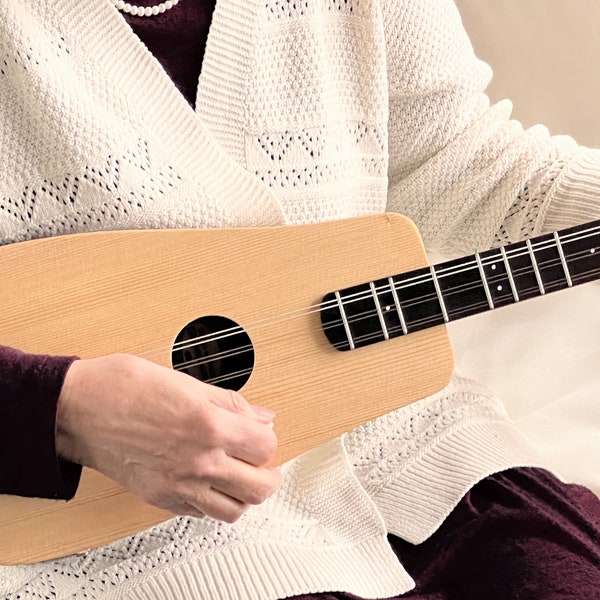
{"x":546,"y":59}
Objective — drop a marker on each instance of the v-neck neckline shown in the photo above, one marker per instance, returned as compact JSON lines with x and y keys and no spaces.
{"x":102,"y":31}
{"x":177,"y":39}
{"x":122,"y":34}
{"x":221,"y":82}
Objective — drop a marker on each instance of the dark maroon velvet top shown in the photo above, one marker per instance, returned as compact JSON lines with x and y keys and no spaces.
{"x":29,"y":389}
{"x":30,"y":385}
{"x":177,"y":38}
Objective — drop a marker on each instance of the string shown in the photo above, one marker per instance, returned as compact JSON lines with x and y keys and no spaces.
{"x":371,"y":337}
{"x":433,"y":319}
{"x":409,"y":282}
{"x":461,"y":289}
{"x":406,"y":283}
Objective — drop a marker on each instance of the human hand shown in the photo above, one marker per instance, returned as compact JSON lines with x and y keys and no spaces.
{"x":174,"y":441}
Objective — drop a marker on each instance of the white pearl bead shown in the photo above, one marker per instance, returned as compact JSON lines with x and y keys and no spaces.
{"x":144,"y":11}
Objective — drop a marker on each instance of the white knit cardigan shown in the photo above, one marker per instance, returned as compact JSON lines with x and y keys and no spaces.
{"x":307,"y":110}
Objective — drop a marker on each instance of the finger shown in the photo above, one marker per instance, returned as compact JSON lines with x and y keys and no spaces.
{"x":186,"y":509}
{"x":215,"y":505}
{"x":219,"y":505}
{"x":247,"y":484}
{"x":248,"y":440}
{"x":233,"y":401}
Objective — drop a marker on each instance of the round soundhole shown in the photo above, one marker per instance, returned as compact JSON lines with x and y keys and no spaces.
{"x":215,"y":350}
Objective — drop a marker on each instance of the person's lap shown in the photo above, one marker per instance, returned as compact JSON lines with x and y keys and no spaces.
{"x":517,"y":534}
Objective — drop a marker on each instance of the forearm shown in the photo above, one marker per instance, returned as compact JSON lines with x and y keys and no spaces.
{"x":30,"y":386}
{"x":468,"y":175}
{"x":575,"y":195}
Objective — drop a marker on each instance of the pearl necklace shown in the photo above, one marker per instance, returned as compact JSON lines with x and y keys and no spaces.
{"x":144,"y":11}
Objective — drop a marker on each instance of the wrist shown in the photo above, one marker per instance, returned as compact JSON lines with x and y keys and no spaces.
{"x":65,"y":441}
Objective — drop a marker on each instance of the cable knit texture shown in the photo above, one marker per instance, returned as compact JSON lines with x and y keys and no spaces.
{"x":307,"y":110}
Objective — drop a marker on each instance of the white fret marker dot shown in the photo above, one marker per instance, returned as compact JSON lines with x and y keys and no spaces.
{"x":499,"y":288}
{"x":593,"y":250}
{"x":388,"y":308}
{"x":493,"y":267}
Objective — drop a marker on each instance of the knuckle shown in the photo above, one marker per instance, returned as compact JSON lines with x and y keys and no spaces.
{"x":157,"y":497}
{"x":217,"y":438}
{"x":258,"y":495}
{"x":263,"y":491}
{"x":271,"y":443}
{"x":206,"y":467}
{"x":267,"y":447}
{"x":211,"y":431}
{"x":236,"y":401}
{"x":262,"y":445}
{"x":234,"y":514}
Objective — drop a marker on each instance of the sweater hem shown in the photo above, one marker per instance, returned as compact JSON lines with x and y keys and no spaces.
{"x":368,"y":569}
{"x":424,"y":493}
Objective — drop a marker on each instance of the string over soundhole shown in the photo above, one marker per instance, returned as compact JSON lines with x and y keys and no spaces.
{"x":215,"y":350}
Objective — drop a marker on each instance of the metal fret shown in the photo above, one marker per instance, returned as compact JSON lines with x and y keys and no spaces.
{"x":344,"y":320}
{"x":397,"y":304}
{"x":535,"y":267}
{"x":386,"y":335}
{"x":486,"y":287}
{"x":438,"y":291}
{"x":511,"y":280}
{"x":563,"y":260}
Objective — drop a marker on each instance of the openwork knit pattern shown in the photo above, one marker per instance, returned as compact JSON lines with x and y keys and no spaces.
{"x":327,"y":504}
{"x":307,"y":110}
{"x":380,"y":106}
{"x":379,"y":450}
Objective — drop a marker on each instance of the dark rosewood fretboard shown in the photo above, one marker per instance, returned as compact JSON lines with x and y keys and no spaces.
{"x":401,"y":304}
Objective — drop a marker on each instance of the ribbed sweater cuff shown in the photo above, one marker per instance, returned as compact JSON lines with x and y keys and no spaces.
{"x":575,"y":196}
{"x":421,"y":496}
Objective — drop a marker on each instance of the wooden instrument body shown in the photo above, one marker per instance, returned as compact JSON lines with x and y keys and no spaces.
{"x":133,"y":291}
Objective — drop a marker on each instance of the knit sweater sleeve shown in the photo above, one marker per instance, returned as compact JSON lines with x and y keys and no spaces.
{"x":29,"y":389}
{"x":468,"y":175}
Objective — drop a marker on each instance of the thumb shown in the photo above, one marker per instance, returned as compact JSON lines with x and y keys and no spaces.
{"x":234,"y":402}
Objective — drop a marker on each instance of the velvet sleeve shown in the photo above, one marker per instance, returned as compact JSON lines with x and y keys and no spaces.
{"x":30,"y":386}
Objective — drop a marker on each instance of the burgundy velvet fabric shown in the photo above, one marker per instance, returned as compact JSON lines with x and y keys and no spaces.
{"x":29,"y":390}
{"x":177,"y":38}
{"x":520,"y":534}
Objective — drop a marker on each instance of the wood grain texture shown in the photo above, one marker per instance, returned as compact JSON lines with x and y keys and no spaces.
{"x":97,"y":293}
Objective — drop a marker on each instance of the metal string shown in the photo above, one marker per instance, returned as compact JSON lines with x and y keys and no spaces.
{"x":434,"y":319}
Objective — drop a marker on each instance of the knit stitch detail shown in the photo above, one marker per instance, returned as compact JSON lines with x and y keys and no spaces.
{"x":307,"y":111}
{"x":575,"y":192}
{"x":319,"y":531}
{"x":94,"y":159}
{"x":416,"y":463}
